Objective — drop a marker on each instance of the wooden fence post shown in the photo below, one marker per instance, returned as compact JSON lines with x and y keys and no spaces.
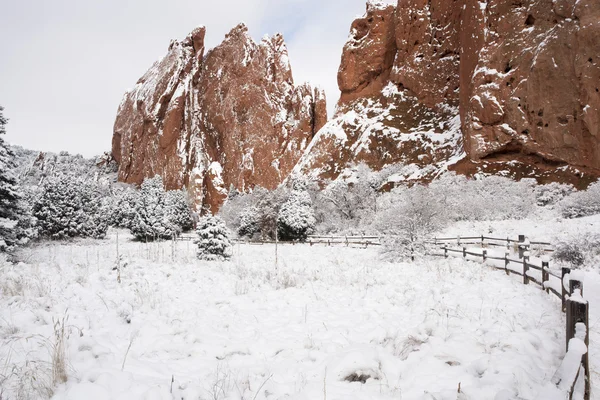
{"x":521,"y":246}
{"x":484,"y":255}
{"x":445,"y":251}
{"x":464,"y":252}
{"x":563,"y":291}
{"x":506,"y":263}
{"x":525,"y":269}
{"x":481,"y":240}
{"x":545,"y":275}
{"x":578,"y":313}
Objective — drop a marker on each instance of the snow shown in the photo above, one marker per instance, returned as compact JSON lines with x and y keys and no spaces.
{"x":250,"y":328}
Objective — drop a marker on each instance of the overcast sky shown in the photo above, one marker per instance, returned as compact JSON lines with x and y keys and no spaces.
{"x":65,"y":64}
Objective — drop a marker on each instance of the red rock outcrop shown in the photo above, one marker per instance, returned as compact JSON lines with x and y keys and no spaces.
{"x":231,"y":116}
{"x":522,"y":75}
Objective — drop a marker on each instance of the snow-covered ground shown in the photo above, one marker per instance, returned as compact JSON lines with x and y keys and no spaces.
{"x":304,"y":328}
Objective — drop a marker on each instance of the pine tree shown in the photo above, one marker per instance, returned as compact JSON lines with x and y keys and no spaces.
{"x":123,"y":208}
{"x":69,"y":207}
{"x":249,"y":222}
{"x":213,"y":239}
{"x":178,"y":211}
{"x":12,"y":210}
{"x":151,"y":221}
{"x":296,"y":219}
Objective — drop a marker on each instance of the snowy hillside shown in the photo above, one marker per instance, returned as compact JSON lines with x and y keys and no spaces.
{"x":34,"y":166}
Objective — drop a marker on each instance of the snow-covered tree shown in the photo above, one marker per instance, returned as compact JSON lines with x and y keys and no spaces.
{"x":11,"y":205}
{"x":70,"y":207}
{"x":348,"y":200}
{"x":296,"y":219}
{"x":178,"y":210}
{"x":582,"y":203}
{"x":151,"y":221}
{"x":213,"y":239}
{"x":249,"y":222}
{"x":407,"y":217}
{"x":159,"y":214}
{"x":552,"y":193}
{"x":123,"y":207}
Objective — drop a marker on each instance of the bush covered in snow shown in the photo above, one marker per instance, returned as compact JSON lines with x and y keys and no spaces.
{"x":159,"y":214}
{"x":407,"y":216}
{"x":552,"y":193}
{"x":249,"y":222}
{"x":488,"y":198}
{"x":582,"y":203}
{"x":348,"y":203}
{"x":254,"y":215}
{"x":70,"y":207}
{"x":123,"y":207}
{"x":178,"y":209}
{"x":296,"y":218}
{"x":213,"y":239}
{"x":578,"y":251}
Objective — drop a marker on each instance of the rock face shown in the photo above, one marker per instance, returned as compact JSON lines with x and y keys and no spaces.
{"x":523,"y":76}
{"x":231,"y":116}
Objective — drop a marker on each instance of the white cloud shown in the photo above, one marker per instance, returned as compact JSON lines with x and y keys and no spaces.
{"x":66,"y":64}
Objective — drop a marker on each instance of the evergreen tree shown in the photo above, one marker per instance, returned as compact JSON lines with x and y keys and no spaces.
{"x":69,"y":207}
{"x":123,"y":208}
{"x":178,"y":211}
{"x":151,"y":221}
{"x":296,"y":219}
{"x":249,"y":219}
{"x":213,"y":239}
{"x":13,"y":221}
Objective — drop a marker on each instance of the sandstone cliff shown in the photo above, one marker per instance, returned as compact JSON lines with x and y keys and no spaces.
{"x":206,"y":120}
{"x":504,"y":87}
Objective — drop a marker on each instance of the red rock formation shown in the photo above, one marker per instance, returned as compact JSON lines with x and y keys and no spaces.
{"x":205,"y":122}
{"x":523,"y":76}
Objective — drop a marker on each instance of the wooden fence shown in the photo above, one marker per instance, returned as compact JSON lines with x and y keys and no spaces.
{"x":328,"y":240}
{"x":331,"y":240}
{"x":569,"y":291}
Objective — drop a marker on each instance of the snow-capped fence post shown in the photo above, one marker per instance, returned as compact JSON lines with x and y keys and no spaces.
{"x":545,"y":275}
{"x":525,"y":268}
{"x":565,"y":271}
{"x":347,"y":243}
{"x":578,"y":313}
{"x":506,"y":262}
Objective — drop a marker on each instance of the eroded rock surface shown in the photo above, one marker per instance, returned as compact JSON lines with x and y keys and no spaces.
{"x":522,"y":75}
{"x":206,"y":120}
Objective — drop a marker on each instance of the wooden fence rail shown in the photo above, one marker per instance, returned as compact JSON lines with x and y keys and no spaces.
{"x":575,"y":365}
{"x":329,"y":240}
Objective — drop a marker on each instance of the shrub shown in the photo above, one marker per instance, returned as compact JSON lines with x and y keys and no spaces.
{"x":552,"y":193}
{"x":582,"y":203}
{"x":159,"y":214}
{"x":407,"y":216}
{"x":213,"y":239}
{"x":71,"y":207}
{"x":296,"y":218}
{"x":578,"y":251}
